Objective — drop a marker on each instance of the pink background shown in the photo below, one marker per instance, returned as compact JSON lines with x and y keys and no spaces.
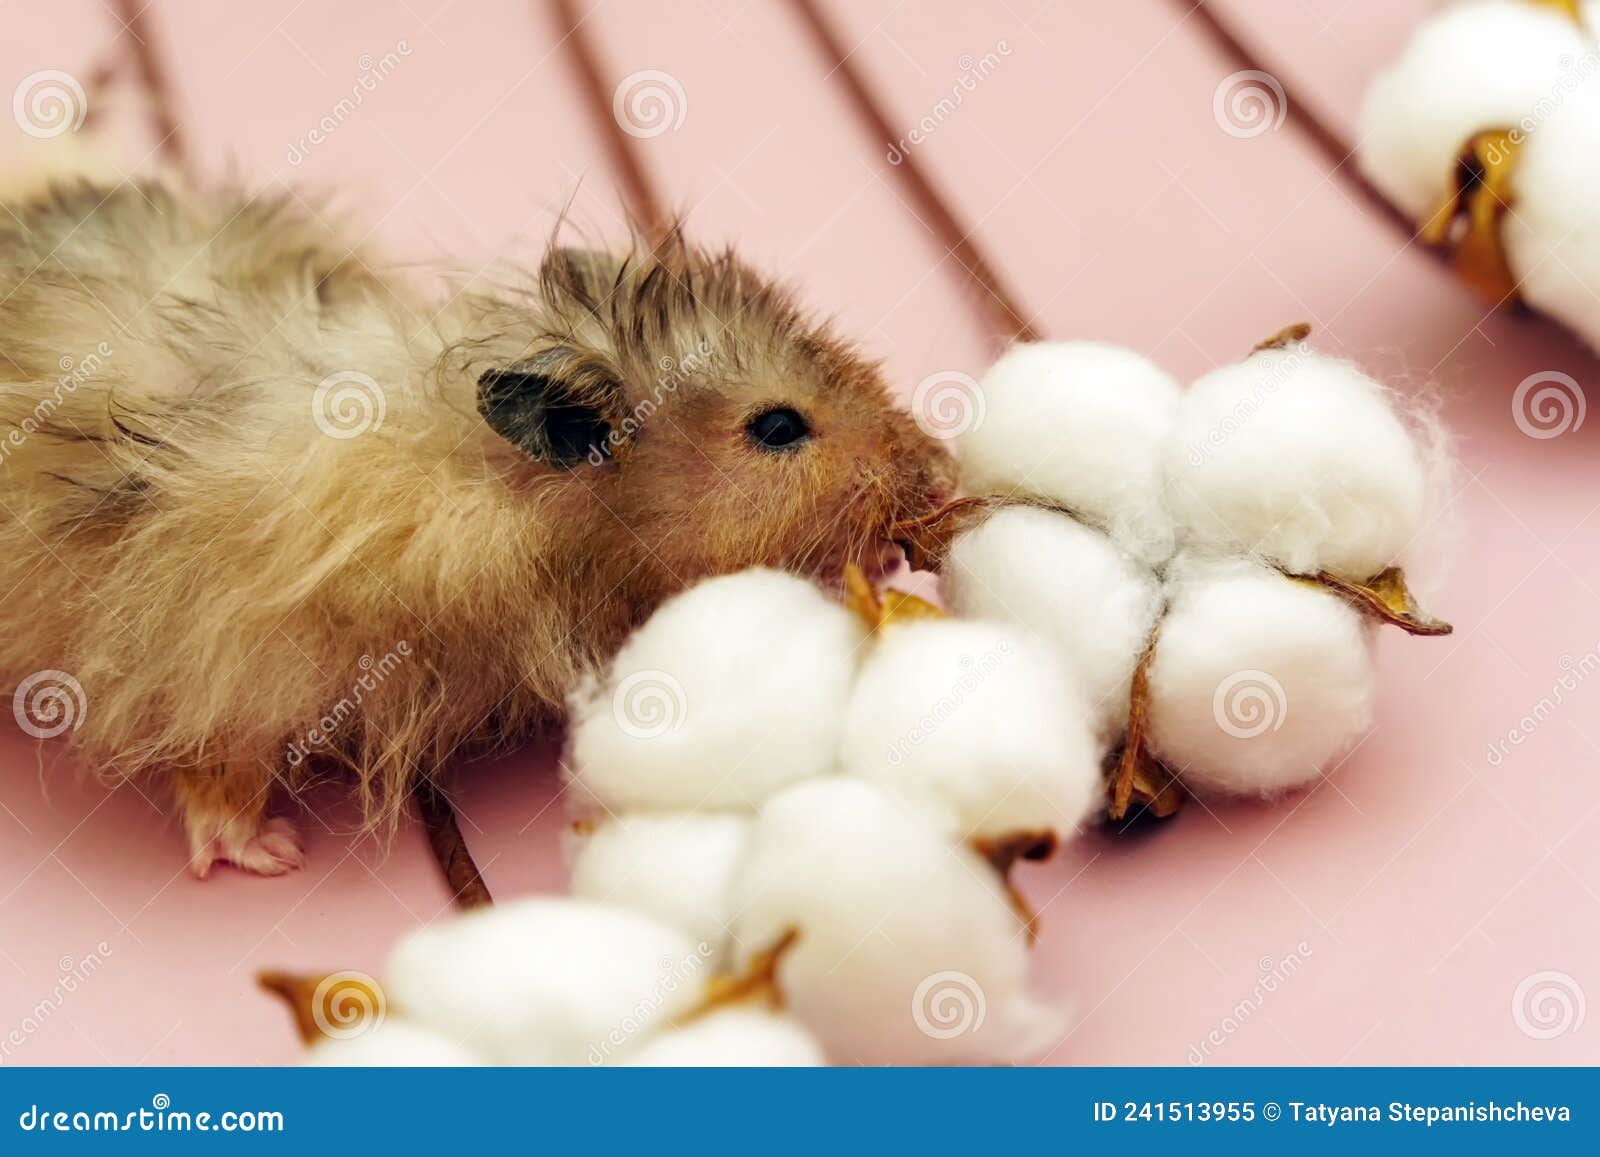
{"x":1420,"y":886}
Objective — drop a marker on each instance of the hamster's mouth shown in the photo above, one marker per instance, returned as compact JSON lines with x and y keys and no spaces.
{"x":880,"y":559}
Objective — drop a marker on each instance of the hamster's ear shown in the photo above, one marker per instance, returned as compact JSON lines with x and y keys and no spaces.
{"x":557,"y":407}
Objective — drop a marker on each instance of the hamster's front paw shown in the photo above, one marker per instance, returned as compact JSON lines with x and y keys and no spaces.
{"x":271,"y":850}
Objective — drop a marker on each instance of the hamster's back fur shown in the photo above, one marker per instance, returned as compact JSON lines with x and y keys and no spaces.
{"x":238,"y":507}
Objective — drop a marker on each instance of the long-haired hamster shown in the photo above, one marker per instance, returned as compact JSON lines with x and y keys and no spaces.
{"x":263,"y":509}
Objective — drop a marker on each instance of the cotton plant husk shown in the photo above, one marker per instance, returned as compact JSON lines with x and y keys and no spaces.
{"x":755,"y":982}
{"x":1287,"y":336}
{"x":879,"y":609}
{"x":1571,"y":9}
{"x":319,"y":1002}
{"x":1384,"y":597}
{"x":1138,"y":783}
{"x":1003,"y":852}
{"x":1468,"y":224}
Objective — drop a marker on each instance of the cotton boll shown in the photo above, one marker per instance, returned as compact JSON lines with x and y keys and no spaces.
{"x":742,"y":1037}
{"x":1068,"y":583}
{"x":392,"y":1044}
{"x":1080,"y":424}
{"x":675,"y":866}
{"x":545,"y":981}
{"x":730,"y":690}
{"x":1259,"y":682}
{"x":1469,"y":68}
{"x":908,"y":951}
{"x":1299,"y":458}
{"x":982,"y":718}
{"x":1552,"y":237}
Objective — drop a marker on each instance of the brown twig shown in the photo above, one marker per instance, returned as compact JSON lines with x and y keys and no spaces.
{"x":1333,"y":144}
{"x":153,"y":77}
{"x":97,"y":84}
{"x":450,"y":848}
{"x":638,"y":190}
{"x":927,"y":539}
{"x":930,"y":201}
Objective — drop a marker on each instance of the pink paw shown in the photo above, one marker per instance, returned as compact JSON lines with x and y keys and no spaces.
{"x":271,"y":851}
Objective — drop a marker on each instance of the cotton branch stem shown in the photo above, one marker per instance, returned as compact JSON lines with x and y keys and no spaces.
{"x":638,"y":189}
{"x":450,"y":849}
{"x":929,"y":200}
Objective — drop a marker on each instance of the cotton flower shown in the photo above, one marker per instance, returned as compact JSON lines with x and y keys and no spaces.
{"x":1070,"y":585}
{"x":545,"y":981}
{"x":678,"y":867}
{"x":981,"y":718}
{"x":731,"y":690}
{"x":734,"y":1036}
{"x":1080,"y":424}
{"x":395,"y":1043}
{"x":1551,"y":242}
{"x":908,"y":950}
{"x":1259,"y":682}
{"x":1298,"y":458}
{"x":1512,"y":67}
{"x":1468,"y":67}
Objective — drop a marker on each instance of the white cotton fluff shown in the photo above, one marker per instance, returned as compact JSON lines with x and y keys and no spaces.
{"x":1552,"y":234}
{"x":394,"y":1043}
{"x":1259,"y":681}
{"x":1299,"y":458}
{"x":675,"y":866}
{"x":1067,"y":583}
{"x":1468,"y":68}
{"x":980,"y":718}
{"x":908,"y":951}
{"x":545,"y":981}
{"x":731,"y":690}
{"x":1080,"y":424}
{"x":733,"y":1037}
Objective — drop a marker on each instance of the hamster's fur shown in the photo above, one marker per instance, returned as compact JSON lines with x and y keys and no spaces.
{"x":274,"y":511}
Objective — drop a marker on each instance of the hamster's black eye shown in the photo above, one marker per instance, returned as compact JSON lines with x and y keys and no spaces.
{"x":779,"y":429}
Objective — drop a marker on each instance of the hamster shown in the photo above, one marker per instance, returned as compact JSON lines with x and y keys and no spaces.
{"x":270,"y":511}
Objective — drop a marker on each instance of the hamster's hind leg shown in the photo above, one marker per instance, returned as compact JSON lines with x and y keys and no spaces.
{"x":225,"y":814}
